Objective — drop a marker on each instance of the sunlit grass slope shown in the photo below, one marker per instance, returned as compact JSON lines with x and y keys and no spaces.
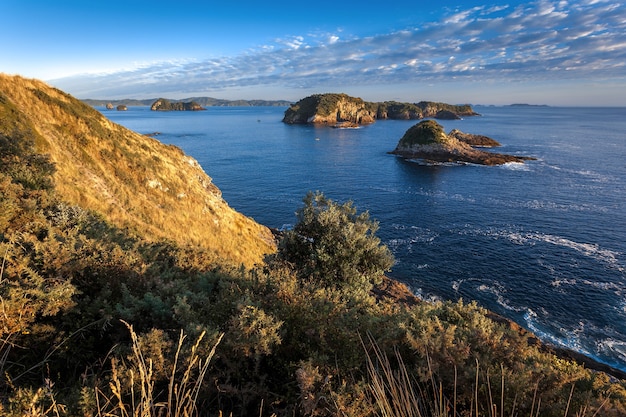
{"x":135,"y":181}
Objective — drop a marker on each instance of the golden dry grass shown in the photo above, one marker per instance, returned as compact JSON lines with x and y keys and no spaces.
{"x":135,"y":181}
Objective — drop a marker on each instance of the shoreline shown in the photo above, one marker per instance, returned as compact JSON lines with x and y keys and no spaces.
{"x":400,"y":292}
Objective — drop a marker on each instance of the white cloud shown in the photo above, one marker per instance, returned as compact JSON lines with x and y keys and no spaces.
{"x":542,"y":41}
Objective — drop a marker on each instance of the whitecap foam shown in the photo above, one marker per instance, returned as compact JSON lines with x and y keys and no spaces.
{"x":515,"y":166}
{"x":497,"y":290}
{"x":456,"y":285}
{"x":586,"y":173}
{"x":572,"y":341}
{"x":613,"y":347}
{"x":618,"y":289}
{"x":591,"y":250}
{"x":565,"y":281}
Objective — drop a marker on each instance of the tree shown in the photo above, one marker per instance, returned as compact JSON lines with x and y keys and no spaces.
{"x":333,"y":245}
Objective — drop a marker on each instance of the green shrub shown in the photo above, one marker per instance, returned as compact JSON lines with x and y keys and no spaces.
{"x":333,"y":245}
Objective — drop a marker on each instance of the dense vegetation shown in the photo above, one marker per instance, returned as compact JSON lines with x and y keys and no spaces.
{"x":164,"y":104}
{"x":424,"y":133}
{"x":326,"y":104}
{"x":97,"y":319}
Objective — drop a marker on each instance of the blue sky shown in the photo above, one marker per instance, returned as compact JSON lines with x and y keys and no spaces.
{"x":560,"y":52}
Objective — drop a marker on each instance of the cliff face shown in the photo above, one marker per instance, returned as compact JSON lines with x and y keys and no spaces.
{"x":333,"y":109}
{"x":134,"y":181}
{"x":330,"y":109}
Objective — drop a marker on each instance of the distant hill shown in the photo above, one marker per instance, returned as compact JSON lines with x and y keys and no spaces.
{"x":203,"y":101}
{"x":134,"y":181}
{"x":527,"y":105}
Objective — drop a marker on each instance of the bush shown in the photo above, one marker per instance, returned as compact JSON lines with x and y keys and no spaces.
{"x":333,"y":245}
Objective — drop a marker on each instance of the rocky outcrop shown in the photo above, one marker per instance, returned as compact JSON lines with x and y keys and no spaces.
{"x":447,"y":115}
{"x":122,"y":107}
{"x":445,"y":111}
{"x":163,"y":104}
{"x":109,"y":106}
{"x":332,"y":109}
{"x":474,"y":140}
{"x":398,"y":111}
{"x":428,"y":142}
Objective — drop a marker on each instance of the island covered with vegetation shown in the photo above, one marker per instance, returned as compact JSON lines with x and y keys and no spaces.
{"x":129,"y":287}
{"x":342,"y":110}
{"x":427,"y":142}
{"x":202,"y":101}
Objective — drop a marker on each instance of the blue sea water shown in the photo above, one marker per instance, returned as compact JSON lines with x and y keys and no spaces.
{"x":542,"y":243}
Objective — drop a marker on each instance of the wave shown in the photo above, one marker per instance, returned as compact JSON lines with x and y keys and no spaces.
{"x":515,"y":166}
{"x":614,"y":348}
{"x":601,"y":344}
{"x":572,"y":341}
{"x":498,"y":290}
{"x":550,"y":205}
{"x":416,"y":235}
{"x":586,"y":173}
{"x":591,"y":250}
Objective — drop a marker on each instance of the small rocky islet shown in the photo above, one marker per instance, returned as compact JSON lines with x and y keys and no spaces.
{"x":428,"y":142}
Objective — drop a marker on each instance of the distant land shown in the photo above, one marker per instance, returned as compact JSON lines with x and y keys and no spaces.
{"x":203,"y":101}
{"x":511,"y":105}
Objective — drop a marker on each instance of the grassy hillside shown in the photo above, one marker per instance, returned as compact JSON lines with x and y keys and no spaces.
{"x":133,"y":180}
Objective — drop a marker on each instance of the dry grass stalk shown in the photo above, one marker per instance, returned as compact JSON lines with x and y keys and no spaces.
{"x":182,"y":394}
{"x":397,"y":394}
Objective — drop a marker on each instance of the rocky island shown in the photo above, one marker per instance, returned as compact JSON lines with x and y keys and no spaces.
{"x":163,"y":104}
{"x":427,"y":141}
{"x":342,"y":110}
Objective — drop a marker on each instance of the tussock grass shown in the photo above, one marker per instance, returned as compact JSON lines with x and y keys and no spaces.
{"x":135,"y":181}
{"x":140,"y":399}
{"x":398,"y":393}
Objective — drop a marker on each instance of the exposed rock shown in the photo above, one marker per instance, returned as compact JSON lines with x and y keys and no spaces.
{"x":163,"y":104}
{"x":399,"y":111}
{"x":330,"y":109}
{"x":474,"y":140}
{"x":443,"y":110}
{"x":122,"y":107}
{"x":109,"y":106}
{"x":447,"y":115}
{"x":427,"y":141}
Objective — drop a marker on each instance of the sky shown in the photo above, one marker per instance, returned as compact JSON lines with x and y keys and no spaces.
{"x":555,"y":52}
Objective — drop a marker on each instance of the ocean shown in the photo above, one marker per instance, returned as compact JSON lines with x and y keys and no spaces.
{"x":542,"y":243}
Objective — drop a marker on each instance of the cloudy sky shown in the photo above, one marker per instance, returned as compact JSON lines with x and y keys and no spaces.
{"x":496,"y":52}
